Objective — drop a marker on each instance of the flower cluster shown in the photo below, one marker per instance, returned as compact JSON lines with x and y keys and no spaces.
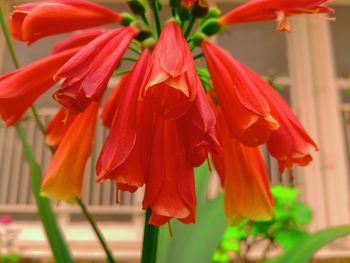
{"x":162,"y":122}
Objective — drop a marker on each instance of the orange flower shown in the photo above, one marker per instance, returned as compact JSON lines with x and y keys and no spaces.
{"x":248,"y":114}
{"x":30,"y":22}
{"x":170,"y":188}
{"x":87,"y":73}
{"x":63,"y":179}
{"x":280,"y":10}
{"x":20,"y":88}
{"x":58,"y":127}
{"x":244,"y":178}
{"x":171,"y":74}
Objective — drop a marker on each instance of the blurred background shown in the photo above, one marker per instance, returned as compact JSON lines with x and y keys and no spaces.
{"x":311,"y":68}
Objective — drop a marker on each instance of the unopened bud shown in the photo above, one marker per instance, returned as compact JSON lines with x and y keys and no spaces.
{"x":200,"y":9}
{"x":214,"y":13}
{"x":211,"y":27}
{"x":127,"y":19}
{"x":136,"y":7}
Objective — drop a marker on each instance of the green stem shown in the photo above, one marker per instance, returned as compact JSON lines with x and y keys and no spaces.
{"x":198,"y":56}
{"x":150,"y":240}
{"x":37,"y":120}
{"x":120,"y":72}
{"x":173,"y":12}
{"x":127,"y":58}
{"x":145,"y":20}
{"x":53,"y":232}
{"x":98,"y":233}
{"x":190,"y":26}
{"x":155,"y":9}
{"x":135,"y":50}
{"x":6,"y":34}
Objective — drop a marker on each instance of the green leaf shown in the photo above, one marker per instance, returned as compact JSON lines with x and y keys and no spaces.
{"x":202,"y":175}
{"x":284,"y":195}
{"x":287,"y":238}
{"x":301,"y":214}
{"x":306,"y":248}
{"x":53,"y":232}
{"x":195,"y":242}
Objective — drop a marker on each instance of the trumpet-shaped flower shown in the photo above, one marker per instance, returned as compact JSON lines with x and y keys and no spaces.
{"x":120,"y":150}
{"x":280,"y":10}
{"x":290,"y":144}
{"x":248,"y":114}
{"x":31,"y":22}
{"x":171,"y":74}
{"x":87,"y":73}
{"x":20,"y":88}
{"x":170,"y":188}
{"x":63,"y":179}
{"x":244,"y":178}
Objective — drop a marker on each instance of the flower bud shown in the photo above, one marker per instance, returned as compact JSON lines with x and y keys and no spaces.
{"x":136,"y":7}
{"x":127,"y":19}
{"x":214,"y":13}
{"x":200,"y":9}
{"x":211,"y":27}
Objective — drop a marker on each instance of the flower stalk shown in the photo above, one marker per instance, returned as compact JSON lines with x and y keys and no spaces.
{"x":97,"y":231}
{"x":150,"y":240}
{"x":155,"y":9}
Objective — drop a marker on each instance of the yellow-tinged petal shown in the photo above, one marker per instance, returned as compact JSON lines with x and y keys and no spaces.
{"x":64,"y":177}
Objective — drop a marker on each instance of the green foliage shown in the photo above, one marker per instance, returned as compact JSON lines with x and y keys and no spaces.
{"x":284,"y":230}
{"x":10,"y":258}
{"x":307,"y":247}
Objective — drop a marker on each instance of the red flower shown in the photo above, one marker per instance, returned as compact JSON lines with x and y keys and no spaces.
{"x":63,"y":179}
{"x":198,"y":128}
{"x":290,"y":143}
{"x":125,"y":147}
{"x":113,"y":102}
{"x":77,"y":40}
{"x":87,"y":73}
{"x":260,"y":10}
{"x":58,"y":127}
{"x":248,"y":113}
{"x":30,"y":22}
{"x":20,"y":88}
{"x":170,"y":188}
{"x":171,"y":74}
{"x":244,"y":178}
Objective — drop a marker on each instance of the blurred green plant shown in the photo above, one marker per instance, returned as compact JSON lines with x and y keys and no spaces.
{"x":284,"y":230}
